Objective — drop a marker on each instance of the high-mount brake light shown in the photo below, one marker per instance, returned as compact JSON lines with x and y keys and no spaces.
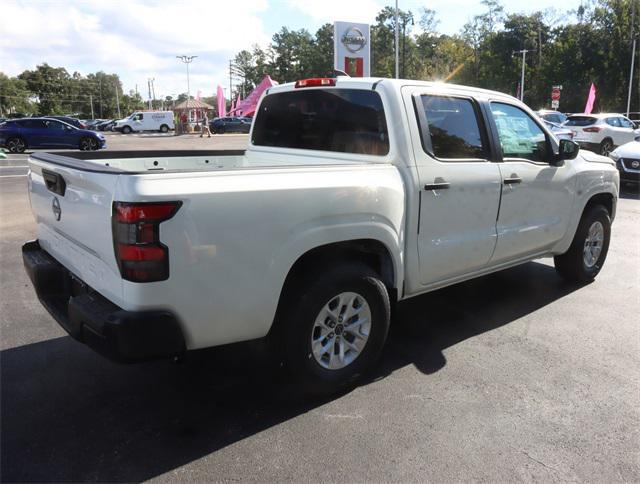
{"x":140,"y":255}
{"x":594,"y":129}
{"x":315,"y":82}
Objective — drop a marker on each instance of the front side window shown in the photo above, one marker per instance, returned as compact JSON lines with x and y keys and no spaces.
{"x":55,"y":125}
{"x":625,"y":123}
{"x":453,"y":128}
{"x":520,"y":136}
{"x":332,"y":119}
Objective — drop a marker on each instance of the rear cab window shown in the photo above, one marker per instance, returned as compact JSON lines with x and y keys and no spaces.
{"x":332,"y":119}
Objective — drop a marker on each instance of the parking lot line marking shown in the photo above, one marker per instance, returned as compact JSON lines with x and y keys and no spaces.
{"x":12,"y":176}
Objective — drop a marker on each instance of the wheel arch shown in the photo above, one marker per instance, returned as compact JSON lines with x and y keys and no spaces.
{"x":371,"y":252}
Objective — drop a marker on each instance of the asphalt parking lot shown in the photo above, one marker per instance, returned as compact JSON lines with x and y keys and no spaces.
{"x":516,"y":376}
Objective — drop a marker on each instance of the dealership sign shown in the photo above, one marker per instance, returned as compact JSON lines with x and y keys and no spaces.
{"x":351,"y":48}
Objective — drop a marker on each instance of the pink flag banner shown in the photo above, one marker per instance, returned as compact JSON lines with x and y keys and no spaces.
{"x":591,"y":99}
{"x":247,"y":107}
{"x":221,"y":102}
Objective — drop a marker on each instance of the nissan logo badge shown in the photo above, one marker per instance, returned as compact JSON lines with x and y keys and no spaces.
{"x":55,"y":208}
{"x":635,"y":164}
{"x":354,"y":40}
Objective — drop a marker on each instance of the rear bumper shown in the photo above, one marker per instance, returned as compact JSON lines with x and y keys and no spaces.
{"x":124,"y":336}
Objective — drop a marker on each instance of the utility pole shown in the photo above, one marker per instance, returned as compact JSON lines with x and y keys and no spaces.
{"x":149,"y":89}
{"x":633,"y":53}
{"x":100,"y":81}
{"x":524,"y":58}
{"x":397,"y":42}
{"x":91,"y":102}
{"x":153,"y":87}
{"x":230,"y":91}
{"x":118,"y":102}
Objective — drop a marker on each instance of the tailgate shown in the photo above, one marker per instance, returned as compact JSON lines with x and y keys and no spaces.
{"x":73,"y":208}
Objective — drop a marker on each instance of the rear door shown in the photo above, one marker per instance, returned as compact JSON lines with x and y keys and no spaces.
{"x":34,"y":131}
{"x":460,"y":185}
{"x":73,"y":215}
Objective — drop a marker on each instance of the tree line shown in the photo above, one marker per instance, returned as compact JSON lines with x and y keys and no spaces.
{"x":52,"y":90}
{"x":591,"y":44}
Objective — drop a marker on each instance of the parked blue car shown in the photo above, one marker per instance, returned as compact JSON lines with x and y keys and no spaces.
{"x":18,"y":135}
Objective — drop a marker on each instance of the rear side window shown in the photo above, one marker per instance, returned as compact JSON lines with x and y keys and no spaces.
{"x":615,"y":122}
{"x":453,"y":128}
{"x":580,"y":121}
{"x":341,"y":120}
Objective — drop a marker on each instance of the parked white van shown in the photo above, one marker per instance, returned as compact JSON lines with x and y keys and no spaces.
{"x":146,"y":121}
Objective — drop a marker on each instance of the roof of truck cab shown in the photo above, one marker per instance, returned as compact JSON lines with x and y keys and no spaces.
{"x":370,"y":82}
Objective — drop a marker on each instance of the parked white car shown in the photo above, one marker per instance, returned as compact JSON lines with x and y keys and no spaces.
{"x":354,"y":193}
{"x":627,"y":158}
{"x":552,"y":116}
{"x":146,"y":121}
{"x":601,"y":132}
{"x":559,"y":131}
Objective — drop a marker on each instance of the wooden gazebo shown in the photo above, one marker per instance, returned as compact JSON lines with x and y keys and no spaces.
{"x":194,"y":109}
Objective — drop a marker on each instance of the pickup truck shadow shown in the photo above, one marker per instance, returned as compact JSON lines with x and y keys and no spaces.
{"x":69,"y":415}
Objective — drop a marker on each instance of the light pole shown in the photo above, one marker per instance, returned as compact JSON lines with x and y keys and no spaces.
{"x":633,"y":54}
{"x":187,"y":59}
{"x":397,"y":42}
{"x":524,"y":58}
{"x":404,"y":39}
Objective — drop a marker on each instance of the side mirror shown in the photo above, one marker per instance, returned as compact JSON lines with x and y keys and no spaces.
{"x":568,"y":150}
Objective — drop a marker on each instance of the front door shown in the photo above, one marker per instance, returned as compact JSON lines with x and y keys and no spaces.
{"x":460,"y":187}
{"x":537,"y":197}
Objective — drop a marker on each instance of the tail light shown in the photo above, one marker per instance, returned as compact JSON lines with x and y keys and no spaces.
{"x":136,"y":239}
{"x":593,"y":129}
{"x":315,"y":82}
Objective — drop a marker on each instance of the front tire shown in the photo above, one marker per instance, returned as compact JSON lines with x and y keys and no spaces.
{"x":334,"y":328}
{"x":126,"y":130}
{"x":88,"y":144}
{"x":585,"y":258}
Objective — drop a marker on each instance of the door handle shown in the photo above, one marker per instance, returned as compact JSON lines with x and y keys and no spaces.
{"x":438,"y":186}
{"x":512,"y":180}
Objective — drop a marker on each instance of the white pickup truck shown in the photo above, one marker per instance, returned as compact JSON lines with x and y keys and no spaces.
{"x":352,"y":195}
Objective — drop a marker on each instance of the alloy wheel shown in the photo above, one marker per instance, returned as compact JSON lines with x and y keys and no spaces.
{"x":341,"y":330}
{"x":593,"y":244}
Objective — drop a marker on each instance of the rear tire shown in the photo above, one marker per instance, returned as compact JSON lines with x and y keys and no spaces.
{"x":16,"y":145}
{"x":585,"y":258}
{"x":164,"y":128}
{"x":333,"y":329}
{"x":606,"y":147}
{"x":126,"y":130}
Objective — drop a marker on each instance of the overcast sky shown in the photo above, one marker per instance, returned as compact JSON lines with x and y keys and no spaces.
{"x":139,"y":39}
